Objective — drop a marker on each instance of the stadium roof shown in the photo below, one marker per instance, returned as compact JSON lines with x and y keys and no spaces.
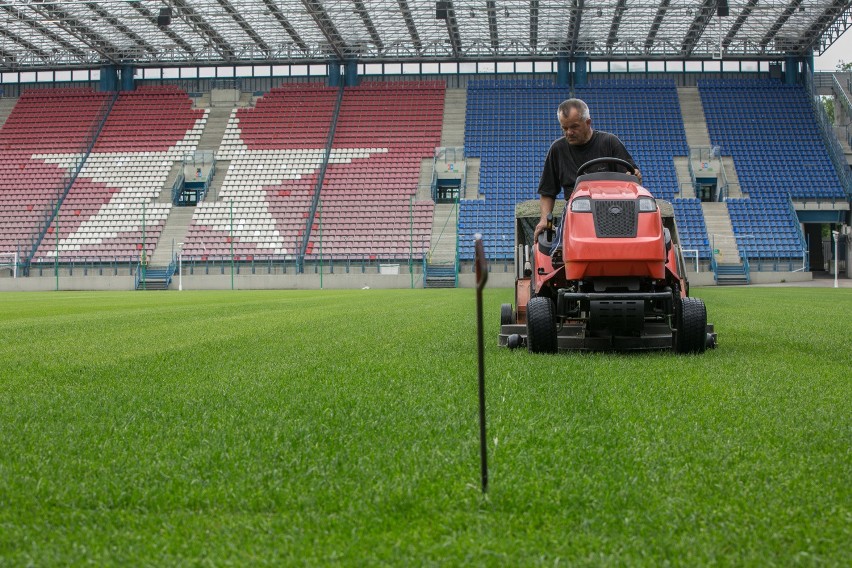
{"x":56,"y":34}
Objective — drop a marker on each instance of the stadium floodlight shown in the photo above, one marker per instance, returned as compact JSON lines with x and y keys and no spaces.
{"x":180,"y":267}
{"x":836,"y":235}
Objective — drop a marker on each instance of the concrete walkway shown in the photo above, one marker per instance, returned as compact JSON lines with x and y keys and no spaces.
{"x":819,"y":281}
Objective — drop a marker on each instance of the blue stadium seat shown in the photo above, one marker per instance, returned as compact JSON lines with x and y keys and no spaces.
{"x":769,"y":130}
{"x":510,"y":125}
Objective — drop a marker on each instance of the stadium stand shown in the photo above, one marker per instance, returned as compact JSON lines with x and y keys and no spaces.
{"x":276,"y":150}
{"x":43,"y":127}
{"x":384,"y":131}
{"x":765,"y":229}
{"x":112,"y":208}
{"x":368,"y":205}
{"x":692,"y":229}
{"x":510,"y":125}
{"x":769,"y":130}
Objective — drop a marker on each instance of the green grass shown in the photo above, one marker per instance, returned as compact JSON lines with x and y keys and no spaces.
{"x":341,"y":428}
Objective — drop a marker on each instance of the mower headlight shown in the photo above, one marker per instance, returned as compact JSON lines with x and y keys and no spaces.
{"x":581,"y":205}
{"x":646,"y":204}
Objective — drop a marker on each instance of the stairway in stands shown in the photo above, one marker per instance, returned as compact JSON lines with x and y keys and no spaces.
{"x":211,"y":139}
{"x":441,"y":268}
{"x":154,"y":278}
{"x":721,"y":233}
{"x":731,"y":275}
{"x":172,"y":235}
{"x":439,"y":276}
{"x":162,"y":267}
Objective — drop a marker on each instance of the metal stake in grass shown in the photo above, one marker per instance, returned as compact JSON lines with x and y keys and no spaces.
{"x":481,"y":278}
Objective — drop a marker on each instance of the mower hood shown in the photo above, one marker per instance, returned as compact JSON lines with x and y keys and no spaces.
{"x":613,"y":228}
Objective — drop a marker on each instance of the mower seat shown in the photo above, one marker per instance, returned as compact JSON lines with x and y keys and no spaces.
{"x":606,"y":176}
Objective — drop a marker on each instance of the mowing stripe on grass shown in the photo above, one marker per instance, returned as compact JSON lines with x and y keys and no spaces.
{"x":278,"y":427}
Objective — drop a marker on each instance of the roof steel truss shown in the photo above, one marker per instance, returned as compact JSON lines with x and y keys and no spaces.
{"x":40,"y":34}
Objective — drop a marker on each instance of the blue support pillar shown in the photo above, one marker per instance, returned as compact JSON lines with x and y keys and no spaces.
{"x":581,"y":68}
{"x":109,"y":79}
{"x":128,"y":81}
{"x":334,"y":74}
{"x":563,"y":70}
{"x":791,"y":70}
{"x":352,"y":78}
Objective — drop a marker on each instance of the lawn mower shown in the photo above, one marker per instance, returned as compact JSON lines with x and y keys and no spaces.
{"x":614,"y":279}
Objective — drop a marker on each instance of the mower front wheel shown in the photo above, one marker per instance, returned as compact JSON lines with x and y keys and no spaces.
{"x":691,"y":336}
{"x":507,"y":314}
{"x":541,"y":326}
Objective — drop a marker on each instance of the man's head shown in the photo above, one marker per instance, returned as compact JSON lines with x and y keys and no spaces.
{"x":576,"y":123}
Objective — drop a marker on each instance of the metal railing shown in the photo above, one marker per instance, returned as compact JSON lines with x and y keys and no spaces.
{"x":777,"y":264}
{"x":835,"y":151}
{"x":843,"y":99}
{"x":441,"y":234}
{"x":705,"y":154}
{"x":291,"y":264}
{"x":226,"y":84}
{"x":802,"y":240}
{"x":754,"y":259}
{"x":841,"y":95}
{"x":456,"y":256}
{"x":448,"y":155}
{"x":177,"y":188}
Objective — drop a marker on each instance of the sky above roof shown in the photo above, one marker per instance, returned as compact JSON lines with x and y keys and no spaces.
{"x":841,"y":50}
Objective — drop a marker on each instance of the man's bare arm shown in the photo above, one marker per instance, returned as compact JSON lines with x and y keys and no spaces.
{"x":546,"y":203}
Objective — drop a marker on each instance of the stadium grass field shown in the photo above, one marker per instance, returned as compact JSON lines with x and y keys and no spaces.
{"x":340,"y":427}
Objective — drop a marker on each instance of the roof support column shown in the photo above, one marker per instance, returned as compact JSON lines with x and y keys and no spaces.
{"x":334,"y":78}
{"x":791,"y":70}
{"x":352,"y":78}
{"x":563,"y":70}
{"x":128,"y":82}
{"x":581,"y":68}
{"x":109,"y":79}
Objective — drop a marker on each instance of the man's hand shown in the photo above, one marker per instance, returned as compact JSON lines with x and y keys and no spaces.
{"x":638,"y":174}
{"x":546,"y":204}
{"x":542,"y":225}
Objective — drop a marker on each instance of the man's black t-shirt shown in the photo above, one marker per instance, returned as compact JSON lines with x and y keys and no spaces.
{"x":563,"y":160}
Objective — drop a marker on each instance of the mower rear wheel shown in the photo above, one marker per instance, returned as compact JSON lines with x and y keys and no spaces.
{"x":691,"y":334}
{"x":507,"y":314}
{"x":541,"y":326}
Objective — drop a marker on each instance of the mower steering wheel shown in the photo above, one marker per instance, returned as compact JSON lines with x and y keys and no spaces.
{"x":607,"y":160}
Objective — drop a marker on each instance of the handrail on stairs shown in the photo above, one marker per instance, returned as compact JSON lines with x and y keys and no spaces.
{"x":799,"y":231}
{"x":433,"y":183}
{"x":320,"y":178}
{"x":456,"y":255}
{"x":446,"y":222}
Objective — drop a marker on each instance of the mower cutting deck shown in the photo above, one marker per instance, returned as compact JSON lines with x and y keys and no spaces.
{"x":614,"y":281}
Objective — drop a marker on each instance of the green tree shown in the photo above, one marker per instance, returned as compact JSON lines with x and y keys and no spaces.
{"x":843,"y":66}
{"x":828,"y":105}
